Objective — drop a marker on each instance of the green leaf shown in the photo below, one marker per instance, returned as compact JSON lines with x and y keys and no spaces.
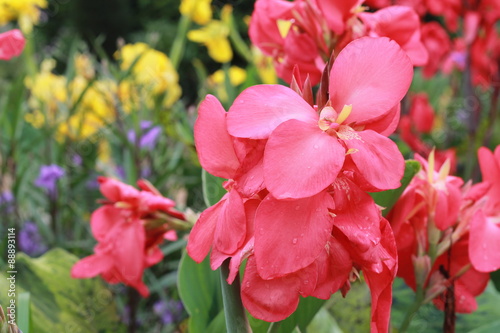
{"x":212,"y":188}
{"x":59,"y":303}
{"x":387,"y":199}
{"x":23,"y":312}
{"x":301,"y":318}
{"x":199,"y":288}
{"x":324,"y":322}
{"x":495,"y":278}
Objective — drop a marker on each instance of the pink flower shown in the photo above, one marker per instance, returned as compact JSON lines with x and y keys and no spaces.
{"x":127,"y":233}
{"x":296,"y":207}
{"x":11,"y":44}
{"x":485,"y":228}
{"x":305,"y":152}
{"x":438,"y":45}
{"x":401,"y":24}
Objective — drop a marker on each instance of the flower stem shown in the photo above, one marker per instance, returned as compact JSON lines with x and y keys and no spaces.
{"x":413,"y":309}
{"x":236,"y":319}
{"x":179,"y":41}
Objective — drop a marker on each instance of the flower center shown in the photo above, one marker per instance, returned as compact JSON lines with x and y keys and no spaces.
{"x":329,"y":119}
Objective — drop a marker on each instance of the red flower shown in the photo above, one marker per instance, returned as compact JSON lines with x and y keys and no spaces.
{"x":127,"y":233}
{"x":11,"y":44}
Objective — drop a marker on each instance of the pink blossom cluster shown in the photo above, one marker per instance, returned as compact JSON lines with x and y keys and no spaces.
{"x":297,"y":206}
{"x":304,"y":33}
{"x":129,"y":228}
{"x":447,"y":232}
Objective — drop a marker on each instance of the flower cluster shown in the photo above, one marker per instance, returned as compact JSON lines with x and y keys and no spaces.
{"x":447,"y":232}
{"x":129,"y":228}
{"x":305,"y":33}
{"x":297,"y":205}
{"x":26,"y":12}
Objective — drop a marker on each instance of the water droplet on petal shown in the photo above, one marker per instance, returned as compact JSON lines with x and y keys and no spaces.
{"x":294,"y":241}
{"x":316,"y":146}
{"x":297,"y":207}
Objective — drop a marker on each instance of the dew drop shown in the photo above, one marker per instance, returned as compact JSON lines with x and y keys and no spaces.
{"x":297,"y":207}
{"x":294,"y":241}
{"x":316,"y":146}
{"x":306,"y":281}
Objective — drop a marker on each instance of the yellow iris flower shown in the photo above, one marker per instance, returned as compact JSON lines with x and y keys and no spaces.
{"x":214,"y":36}
{"x":26,"y":12}
{"x":199,"y":11}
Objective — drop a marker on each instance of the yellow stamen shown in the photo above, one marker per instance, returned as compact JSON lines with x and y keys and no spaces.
{"x":430,"y":167}
{"x":346,"y":111}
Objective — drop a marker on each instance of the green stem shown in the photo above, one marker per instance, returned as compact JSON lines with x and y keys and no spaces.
{"x":180,"y":39}
{"x":413,"y":309}
{"x":274,"y":327}
{"x":239,"y":44}
{"x":236,"y":319}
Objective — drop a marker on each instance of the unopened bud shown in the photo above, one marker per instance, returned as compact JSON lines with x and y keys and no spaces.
{"x":422,"y":266}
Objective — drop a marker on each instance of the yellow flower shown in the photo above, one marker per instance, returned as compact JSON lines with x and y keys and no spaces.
{"x":84,"y":67}
{"x":94,"y":111}
{"x":265,"y":67}
{"x":217,"y":80}
{"x":48,"y":91}
{"x":214,"y":36}
{"x":26,"y":12}
{"x":152,"y":75}
{"x":199,"y":11}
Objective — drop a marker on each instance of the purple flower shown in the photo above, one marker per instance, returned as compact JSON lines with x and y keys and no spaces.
{"x":30,"y":240}
{"x":49,"y":174}
{"x":7,"y":202}
{"x":149,"y":135}
{"x":170,"y":311}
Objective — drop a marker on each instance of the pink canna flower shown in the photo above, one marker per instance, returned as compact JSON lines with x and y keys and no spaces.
{"x":223,"y":227}
{"x":484,"y":247}
{"x":438,"y":45}
{"x":128,"y":227}
{"x":401,"y":24}
{"x":11,"y":44}
{"x":305,"y":152}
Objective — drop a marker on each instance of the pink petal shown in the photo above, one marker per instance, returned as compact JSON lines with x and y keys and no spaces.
{"x":230,"y":231}
{"x":213,"y":143}
{"x":129,"y":251}
{"x":300,"y":160}
{"x":387,"y":124}
{"x":290,"y":235}
{"x":334,"y":267}
{"x":372,"y":74}
{"x":91,"y":266}
{"x":273,"y":300}
{"x":376,"y":157}
{"x":490,"y":170}
{"x":170,"y":235}
{"x":338,"y":12}
{"x":202,"y":235}
{"x":484,"y":243}
{"x":154,"y":256}
{"x":11,"y":44}
{"x":103,"y":220}
{"x":258,"y":110}
{"x":448,"y":206}
{"x":116,"y":191}
{"x":356,"y":215}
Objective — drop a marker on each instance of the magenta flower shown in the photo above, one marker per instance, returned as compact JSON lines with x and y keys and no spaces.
{"x":11,"y":44}
{"x":305,"y":151}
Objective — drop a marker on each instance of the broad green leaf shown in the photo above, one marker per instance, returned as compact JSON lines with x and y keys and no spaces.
{"x":301,"y":318}
{"x":59,"y":303}
{"x":199,"y":288}
{"x":352,"y":313}
{"x":323,"y":322}
{"x":23,"y":312}
{"x":217,"y":325}
{"x":387,"y":199}
{"x":212,"y":188}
